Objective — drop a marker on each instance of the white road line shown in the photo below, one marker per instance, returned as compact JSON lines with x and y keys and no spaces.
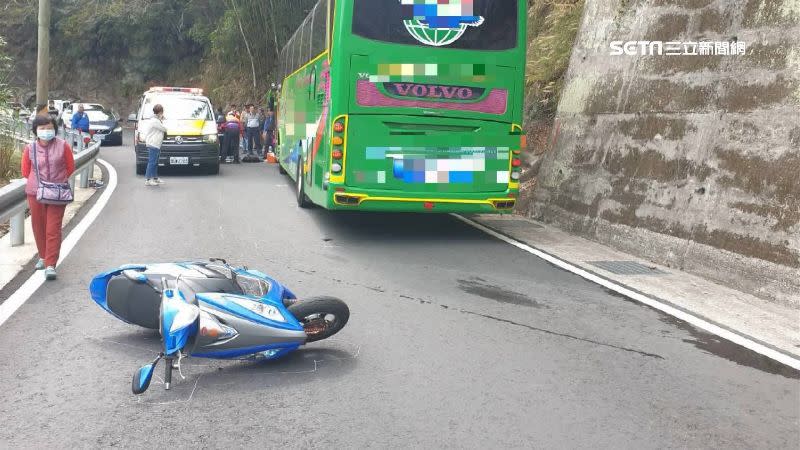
{"x":18,"y":298}
{"x":699,"y":322}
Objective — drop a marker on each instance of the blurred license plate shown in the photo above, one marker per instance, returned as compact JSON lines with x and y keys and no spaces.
{"x":99,"y":137}
{"x":179,"y":160}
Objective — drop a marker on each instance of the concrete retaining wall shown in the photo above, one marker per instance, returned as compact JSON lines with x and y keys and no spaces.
{"x":690,"y":161}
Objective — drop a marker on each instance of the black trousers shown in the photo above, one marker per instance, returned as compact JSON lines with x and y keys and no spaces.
{"x":230,"y":144}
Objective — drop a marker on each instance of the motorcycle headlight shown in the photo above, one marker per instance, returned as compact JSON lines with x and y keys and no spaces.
{"x":262,"y":309}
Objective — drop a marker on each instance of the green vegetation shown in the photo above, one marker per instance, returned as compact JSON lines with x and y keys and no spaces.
{"x":227,"y":46}
{"x":120,"y":47}
{"x":552,"y":27}
{"x":5,"y":73}
{"x":9,"y":160}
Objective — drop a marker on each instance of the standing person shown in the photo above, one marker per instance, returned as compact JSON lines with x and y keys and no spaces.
{"x":251,"y":120}
{"x":153,"y":132}
{"x":269,"y":132}
{"x":262,"y":116}
{"x":231,"y":139}
{"x":80,"y":121}
{"x":55,"y":165}
{"x":221,"y":131}
{"x":242,"y":129}
{"x":271,"y":101}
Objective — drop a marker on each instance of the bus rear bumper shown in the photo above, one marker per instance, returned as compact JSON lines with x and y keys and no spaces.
{"x":374,"y":200}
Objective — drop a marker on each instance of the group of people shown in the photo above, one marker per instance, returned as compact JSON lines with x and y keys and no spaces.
{"x":251,"y":131}
{"x":49,"y":159}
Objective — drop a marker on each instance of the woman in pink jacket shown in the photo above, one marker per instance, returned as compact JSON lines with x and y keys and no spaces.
{"x":56,"y":164}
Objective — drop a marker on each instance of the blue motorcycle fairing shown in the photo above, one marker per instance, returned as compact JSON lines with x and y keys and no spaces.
{"x":221,"y":302}
{"x":283,"y":349}
{"x":178,"y":321}
{"x":99,"y":284}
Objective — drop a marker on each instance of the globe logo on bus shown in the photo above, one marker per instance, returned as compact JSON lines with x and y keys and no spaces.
{"x":441,"y":23}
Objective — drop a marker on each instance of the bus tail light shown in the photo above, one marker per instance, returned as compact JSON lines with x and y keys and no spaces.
{"x":515,"y":175}
{"x":338,"y":151}
{"x":516,"y":162}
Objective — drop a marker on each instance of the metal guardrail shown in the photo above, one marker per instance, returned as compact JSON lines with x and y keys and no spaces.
{"x":13,"y":201}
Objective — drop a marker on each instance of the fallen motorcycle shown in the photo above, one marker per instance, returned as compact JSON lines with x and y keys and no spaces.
{"x":211,"y":309}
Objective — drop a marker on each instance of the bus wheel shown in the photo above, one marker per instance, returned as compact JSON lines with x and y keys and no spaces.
{"x":302,"y":199}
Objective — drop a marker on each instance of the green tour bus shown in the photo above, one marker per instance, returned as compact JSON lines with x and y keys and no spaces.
{"x":405,"y":105}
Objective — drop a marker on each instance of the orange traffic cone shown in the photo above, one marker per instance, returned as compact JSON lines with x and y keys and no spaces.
{"x":271,"y":159}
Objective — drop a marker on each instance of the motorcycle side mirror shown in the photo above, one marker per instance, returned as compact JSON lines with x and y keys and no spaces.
{"x":143,"y":376}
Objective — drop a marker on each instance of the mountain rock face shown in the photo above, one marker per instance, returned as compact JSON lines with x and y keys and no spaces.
{"x":677,"y":138}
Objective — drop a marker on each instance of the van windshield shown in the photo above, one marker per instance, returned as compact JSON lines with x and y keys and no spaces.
{"x":177,"y":108}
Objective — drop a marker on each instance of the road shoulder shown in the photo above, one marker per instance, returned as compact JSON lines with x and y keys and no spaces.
{"x":774,"y":325}
{"x":15,"y":260}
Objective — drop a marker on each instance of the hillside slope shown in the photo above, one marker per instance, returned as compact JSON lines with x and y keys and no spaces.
{"x":110,"y":51}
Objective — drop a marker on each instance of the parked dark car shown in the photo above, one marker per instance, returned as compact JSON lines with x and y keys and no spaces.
{"x":105,"y":126}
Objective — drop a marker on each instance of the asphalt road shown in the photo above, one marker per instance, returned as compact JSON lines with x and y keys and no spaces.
{"x":455,"y":340}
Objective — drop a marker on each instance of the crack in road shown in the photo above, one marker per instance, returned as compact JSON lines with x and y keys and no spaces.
{"x":569,"y":336}
{"x":510,"y":322}
{"x":532,"y":328}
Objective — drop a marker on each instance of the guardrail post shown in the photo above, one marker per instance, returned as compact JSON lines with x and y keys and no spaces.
{"x":85,"y":174}
{"x":18,"y":229}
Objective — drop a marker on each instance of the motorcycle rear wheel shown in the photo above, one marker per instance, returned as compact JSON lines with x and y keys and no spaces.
{"x":321,"y":317}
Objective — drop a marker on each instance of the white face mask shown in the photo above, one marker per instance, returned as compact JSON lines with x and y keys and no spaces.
{"x":46,"y":135}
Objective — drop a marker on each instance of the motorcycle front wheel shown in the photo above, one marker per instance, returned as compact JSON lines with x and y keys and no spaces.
{"x":321,"y":317}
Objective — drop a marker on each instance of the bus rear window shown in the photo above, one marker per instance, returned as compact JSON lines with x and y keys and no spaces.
{"x":460,"y":24}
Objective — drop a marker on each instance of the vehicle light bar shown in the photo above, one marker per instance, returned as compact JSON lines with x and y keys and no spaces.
{"x":197,"y":91}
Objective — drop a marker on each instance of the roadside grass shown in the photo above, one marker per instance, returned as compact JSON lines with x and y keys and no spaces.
{"x":9,"y":160}
{"x":552,"y":28}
